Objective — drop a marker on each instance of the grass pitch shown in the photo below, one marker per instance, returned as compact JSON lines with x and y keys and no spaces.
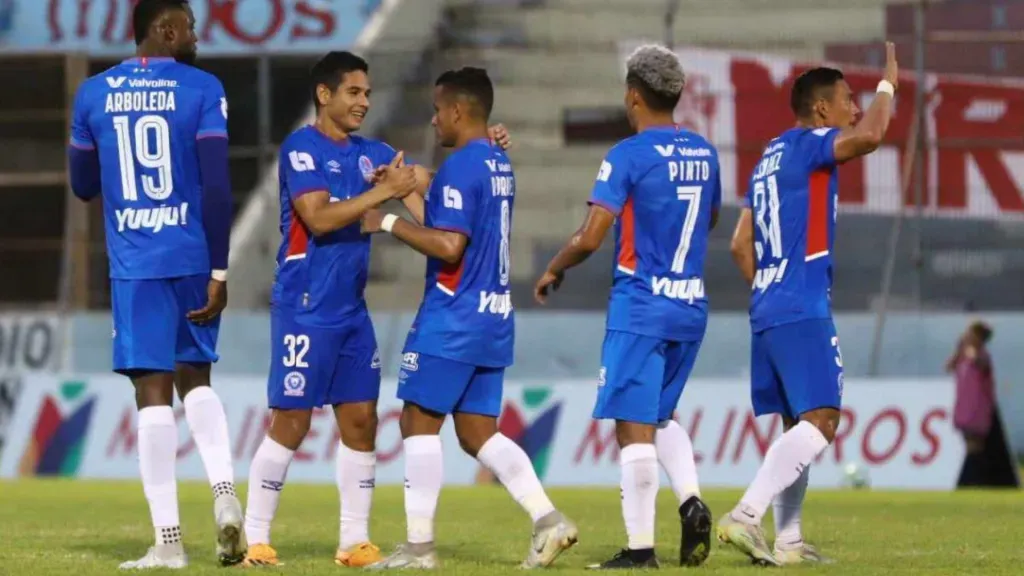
{"x":82,"y":528}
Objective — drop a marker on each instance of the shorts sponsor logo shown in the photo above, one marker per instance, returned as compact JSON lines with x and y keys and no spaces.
{"x":411,"y":361}
{"x":294,"y":384}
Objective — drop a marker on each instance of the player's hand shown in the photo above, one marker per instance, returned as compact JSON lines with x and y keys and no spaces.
{"x":423,"y":178}
{"x":399,"y":179}
{"x":549,"y":282}
{"x":378,"y":174}
{"x":500,"y":136}
{"x":892,"y":69}
{"x":371,"y":221}
{"x":216,"y":301}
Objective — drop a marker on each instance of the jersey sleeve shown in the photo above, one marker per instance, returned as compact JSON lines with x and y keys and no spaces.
{"x":213,"y":119}
{"x":614,"y":180}
{"x":819,"y":147}
{"x":81,"y":134}
{"x":299,"y":171}
{"x":453,"y":199}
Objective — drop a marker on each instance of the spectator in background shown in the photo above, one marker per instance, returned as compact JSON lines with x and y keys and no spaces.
{"x":976,"y":413}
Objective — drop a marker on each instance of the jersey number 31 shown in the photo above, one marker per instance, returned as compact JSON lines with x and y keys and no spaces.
{"x":149,"y":144}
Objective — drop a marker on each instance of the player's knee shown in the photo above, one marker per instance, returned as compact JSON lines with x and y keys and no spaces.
{"x":358,"y":425}
{"x":153,"y":389}
{"x":825,"y":420}
{"x":289,"y":427}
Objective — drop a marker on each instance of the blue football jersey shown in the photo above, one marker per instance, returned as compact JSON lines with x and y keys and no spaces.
{"x":794,"y":195}
{"x":322,"y":279}
{"x":466,"y":314}
{"x":662,"y":184}
{"x":144,"y":116}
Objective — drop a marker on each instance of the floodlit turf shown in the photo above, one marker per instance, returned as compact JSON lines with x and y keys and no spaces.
{"x":75,"y":528}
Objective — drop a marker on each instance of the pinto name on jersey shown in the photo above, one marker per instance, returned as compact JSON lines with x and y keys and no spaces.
{"x":663,"y":184}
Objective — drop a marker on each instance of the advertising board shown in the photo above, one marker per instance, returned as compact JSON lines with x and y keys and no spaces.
{"x":900,"y":431}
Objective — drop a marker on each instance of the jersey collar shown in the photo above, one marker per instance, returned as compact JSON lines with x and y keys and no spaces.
{"x":145,"y":60}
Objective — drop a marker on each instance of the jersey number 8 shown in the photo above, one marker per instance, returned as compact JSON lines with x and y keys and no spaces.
{"x":152,"y":150}
{"x":505,"y":255}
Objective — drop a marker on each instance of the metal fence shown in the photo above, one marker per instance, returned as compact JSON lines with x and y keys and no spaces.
{"x":932,"y":222}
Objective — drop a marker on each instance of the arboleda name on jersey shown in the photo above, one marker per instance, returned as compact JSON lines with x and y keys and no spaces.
{"x":153,"y":219}
{"x":122,"y":102}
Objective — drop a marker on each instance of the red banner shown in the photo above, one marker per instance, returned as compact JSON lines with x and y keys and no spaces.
{"x":974,"y":159}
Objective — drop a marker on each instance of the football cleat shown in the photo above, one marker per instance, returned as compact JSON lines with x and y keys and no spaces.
{"x":747,"y":538}
{"x":230,"y":541}
{"x":695,"y":543}
{"x":407,"y":556}
{"x":803,"y":553}
{"x":358,"y":556}
{"x":170,"y":556}
{"x":260,"y":555}
{"x":628,"y":560}
{"x":547,"y":543}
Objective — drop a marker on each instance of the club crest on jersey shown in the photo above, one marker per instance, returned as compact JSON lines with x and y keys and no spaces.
{"x":366,"y":168}
{"x":294,"y":384}
{"x":411,"y":361}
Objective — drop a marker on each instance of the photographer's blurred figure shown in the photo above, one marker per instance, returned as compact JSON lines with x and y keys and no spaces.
{"x":976,"y":414}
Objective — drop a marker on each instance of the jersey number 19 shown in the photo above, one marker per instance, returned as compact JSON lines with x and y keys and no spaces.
{"x":149,"y":144}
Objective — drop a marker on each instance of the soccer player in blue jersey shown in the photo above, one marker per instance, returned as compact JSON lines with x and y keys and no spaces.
{"x":462,"y":339}
{"x":150,"y":136}
{"x":783,"y":246}
{"x":661,"y":188}
{"x":324,"y":351}
{"x":323,"y":347}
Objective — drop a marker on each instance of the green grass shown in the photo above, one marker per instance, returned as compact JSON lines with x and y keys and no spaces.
{"x":76,"y":528}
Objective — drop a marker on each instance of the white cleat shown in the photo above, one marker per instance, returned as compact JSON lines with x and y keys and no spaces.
{"x":405,"y":558}
{"x":748,"y":538}
{"x":801,"y":554}
{"x":230,"y":542}
{"x":170,"y":556}
{"x":548,"y":543}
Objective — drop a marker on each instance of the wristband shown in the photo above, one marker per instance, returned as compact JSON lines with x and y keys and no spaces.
{"x":886,"y":87}
{"x":388,"y":222}
{"x":219,"y":275}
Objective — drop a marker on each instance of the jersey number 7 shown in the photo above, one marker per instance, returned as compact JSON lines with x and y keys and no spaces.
{"x":151,"y":149}
{"x":691,"y":194}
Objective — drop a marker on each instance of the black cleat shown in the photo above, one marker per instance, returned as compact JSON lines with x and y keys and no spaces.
{"x":628,"y":560}
{"x":695,"y":544}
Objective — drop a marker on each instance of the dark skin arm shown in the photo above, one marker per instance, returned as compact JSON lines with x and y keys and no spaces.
{"x":742,"y":245}
{"x":583,"y":243}
{"x":441,"y":244}
{"x":867,"y":135}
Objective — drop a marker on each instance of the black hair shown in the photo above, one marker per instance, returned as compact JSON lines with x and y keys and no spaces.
{"x":147,"y":12}
{"x":473,"y":83}
{"x":331,"y":69}
{"x":658,"y":101}
{"x":808,"y":88}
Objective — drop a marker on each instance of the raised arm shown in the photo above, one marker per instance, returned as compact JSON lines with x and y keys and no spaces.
{"x":868,"y":134}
